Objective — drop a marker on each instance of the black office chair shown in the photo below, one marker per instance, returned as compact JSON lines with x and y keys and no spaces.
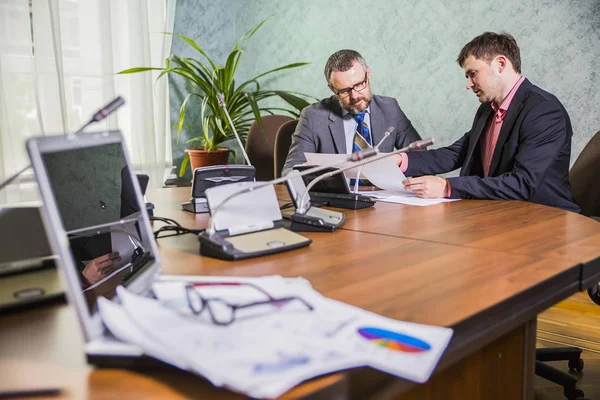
{"x":585,"y":184}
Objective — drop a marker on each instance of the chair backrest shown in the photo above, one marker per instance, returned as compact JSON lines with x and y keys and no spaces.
{"x":260,"y":146}
{"x":585,"y":178}
{"x":283,"y":142}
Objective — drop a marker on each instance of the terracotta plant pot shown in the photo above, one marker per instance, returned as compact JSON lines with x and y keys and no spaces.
{"x":202,"y":158}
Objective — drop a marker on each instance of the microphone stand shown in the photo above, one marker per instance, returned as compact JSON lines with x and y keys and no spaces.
{"x":221,"y":99}
{"x":98,"y":116}
{"x":13,"y":177}
{"x":103,"y":112}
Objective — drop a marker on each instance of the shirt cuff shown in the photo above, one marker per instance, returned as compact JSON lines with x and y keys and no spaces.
{"x":404,"y":163}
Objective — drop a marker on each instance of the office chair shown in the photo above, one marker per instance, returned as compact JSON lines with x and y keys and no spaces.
{"x":260,"y":145}
{"x":283,"y":141}
{"x":585,"y":185}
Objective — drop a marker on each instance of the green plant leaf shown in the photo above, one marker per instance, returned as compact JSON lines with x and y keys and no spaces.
{"x":229,"y":70}
{"x":246,"y":36}
{"x":289,"y":66}
{"x":184,"y":164}
{"x":192,"y":43}
{"x":295,"y":101}
{"x":182,"y":112}
{"x":255,"y":110}
{"x":138,"y":69}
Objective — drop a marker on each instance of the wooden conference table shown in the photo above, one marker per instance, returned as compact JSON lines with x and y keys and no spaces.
{"x":484,"y":268}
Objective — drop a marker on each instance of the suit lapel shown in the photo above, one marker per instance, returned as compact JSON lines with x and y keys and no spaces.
{"x":377,"y":122}
{"x":480,"y":125}
{"x":516,"y":105}
{"x":336,"y":128}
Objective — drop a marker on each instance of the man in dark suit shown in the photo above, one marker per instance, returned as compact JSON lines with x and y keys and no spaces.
{"x":350,"y":120}
{"x":519,"y":145}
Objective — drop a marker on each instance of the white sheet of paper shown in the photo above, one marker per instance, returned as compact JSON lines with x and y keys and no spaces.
{"x":404,"y":197}
{"x":385,"y":174}
{"x":123,"y":243}
{"x":407,"y":350}
{"x":117,"y":320}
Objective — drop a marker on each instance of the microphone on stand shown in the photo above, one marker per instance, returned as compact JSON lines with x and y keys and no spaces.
{"x":98,"y":116}
{"x":103,"y":112}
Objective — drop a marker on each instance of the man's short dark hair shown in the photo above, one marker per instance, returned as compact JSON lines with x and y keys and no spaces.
{"x":342,"y":60}
{"x":489,"y":45}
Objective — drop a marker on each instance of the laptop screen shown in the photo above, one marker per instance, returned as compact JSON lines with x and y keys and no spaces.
{"x":94,"y":212}
{"x":334,"y":184}
{"x":23,"y":243}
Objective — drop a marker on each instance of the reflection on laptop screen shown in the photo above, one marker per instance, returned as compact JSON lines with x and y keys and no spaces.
{"x":96,"y":202}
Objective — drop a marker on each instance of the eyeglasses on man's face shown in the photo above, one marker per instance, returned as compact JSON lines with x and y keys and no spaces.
{"x":224,"y":313}
{"x":343,"y":93}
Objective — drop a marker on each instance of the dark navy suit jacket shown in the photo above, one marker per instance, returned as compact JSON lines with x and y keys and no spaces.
{"x":531,"y":159}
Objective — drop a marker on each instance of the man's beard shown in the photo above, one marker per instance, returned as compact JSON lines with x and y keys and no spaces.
{"x":352,"y":108}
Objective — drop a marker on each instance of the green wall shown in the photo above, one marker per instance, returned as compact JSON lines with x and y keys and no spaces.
{"x":411,"y":48}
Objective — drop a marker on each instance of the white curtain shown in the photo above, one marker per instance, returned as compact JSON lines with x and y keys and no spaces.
{"x":58,"y":65}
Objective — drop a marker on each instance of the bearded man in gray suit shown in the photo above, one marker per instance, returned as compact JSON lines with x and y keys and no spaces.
{"x":350,"y":120}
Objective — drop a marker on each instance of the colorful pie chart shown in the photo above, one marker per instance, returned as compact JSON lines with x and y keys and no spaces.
{"x":393,"y":340}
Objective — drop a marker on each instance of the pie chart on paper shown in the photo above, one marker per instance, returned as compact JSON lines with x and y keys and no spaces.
{"x":393,"y":340}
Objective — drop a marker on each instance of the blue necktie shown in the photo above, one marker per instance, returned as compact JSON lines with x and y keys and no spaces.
{"x":362,"y":141}
{"x":362,"y":137}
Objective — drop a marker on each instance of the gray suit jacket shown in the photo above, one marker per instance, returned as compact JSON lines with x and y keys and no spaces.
{"x":321,"y":129}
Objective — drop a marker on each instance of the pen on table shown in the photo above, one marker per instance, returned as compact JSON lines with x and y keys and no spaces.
{"x":11,"y":394}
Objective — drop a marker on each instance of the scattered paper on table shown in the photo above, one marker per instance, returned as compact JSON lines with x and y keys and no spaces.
{"x":403,"y":197}
{"x":270,"y":348}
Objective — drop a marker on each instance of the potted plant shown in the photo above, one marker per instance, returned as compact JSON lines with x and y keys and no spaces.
{"x":205,"y":80}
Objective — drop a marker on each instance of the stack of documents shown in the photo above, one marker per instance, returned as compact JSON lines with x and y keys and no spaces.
{"x":270,"y":348}
{"x":403,"y":197}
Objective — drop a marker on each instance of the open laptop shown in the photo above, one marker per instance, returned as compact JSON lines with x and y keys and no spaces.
{"x":28,"y":274}
{"x":334,"y":190}
{"x":307,"y":217}
{"x":94,"y":209}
